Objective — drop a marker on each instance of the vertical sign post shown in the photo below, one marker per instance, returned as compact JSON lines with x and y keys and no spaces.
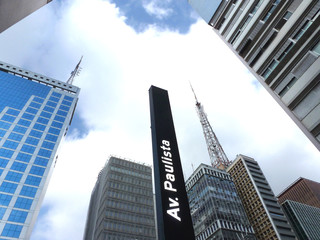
{"x":173,"y":213}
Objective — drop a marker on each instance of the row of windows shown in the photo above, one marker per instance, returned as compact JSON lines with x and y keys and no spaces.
{"x":128,"y":217}
{"x":24,"y":158}
{"x":132,"y":173}
{"x":130,"y":189}
{"x":29,"y":149}
{"x":126,"y":206}
{"x":130,"y":197}
{"x":129,"y":228}
{"x":22,"y":129}
{"x":130,"y":165}
{"x":31,"y":180}
{"x":275,"y":62}
{"x":131,"y":180}
{"x":21,"y":167}
{"x":21,"y":202}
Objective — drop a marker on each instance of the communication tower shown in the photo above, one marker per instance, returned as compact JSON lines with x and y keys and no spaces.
{"x":218,"y":157}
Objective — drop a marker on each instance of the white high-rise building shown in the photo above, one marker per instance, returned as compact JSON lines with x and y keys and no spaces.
{"x":279,"y":42}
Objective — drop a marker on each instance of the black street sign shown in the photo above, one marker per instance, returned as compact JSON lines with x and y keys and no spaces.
{"x":172,"y":207}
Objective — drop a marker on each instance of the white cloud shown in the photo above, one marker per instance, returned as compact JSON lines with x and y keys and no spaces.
{"x":119,"y":66}
{"x":153,"y":9}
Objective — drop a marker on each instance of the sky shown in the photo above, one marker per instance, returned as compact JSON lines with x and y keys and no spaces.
{"x":127,"y":46}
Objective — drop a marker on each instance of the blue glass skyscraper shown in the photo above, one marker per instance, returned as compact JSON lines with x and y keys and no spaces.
{"x":35,"y":112}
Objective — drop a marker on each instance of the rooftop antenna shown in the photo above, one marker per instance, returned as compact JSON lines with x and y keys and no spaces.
{"x":75,"y":72}
{"x":217,"y":156}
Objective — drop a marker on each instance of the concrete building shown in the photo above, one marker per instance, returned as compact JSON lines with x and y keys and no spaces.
{"x":216,"y":210}
{"x":302,"y":190}
{"x":35,"y":113}
{"x":121,"y":204}
{"x":304,"y":219}
{"x":12,"y":11}
{"x":279,"y":43}
{"x":262,"y":208}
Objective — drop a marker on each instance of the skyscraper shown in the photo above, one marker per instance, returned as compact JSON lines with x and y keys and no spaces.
{"x":12,"y":11}
{"x":279,"y":42}
{"x":121,"y":204}
{"x":304,"y":219}
{"x":262,"y":208}
{"x":302,"y":190}
{"x":35,"y":112}
{"x":216,"y":209}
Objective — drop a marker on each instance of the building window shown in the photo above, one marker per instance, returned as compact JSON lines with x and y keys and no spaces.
{"x":285,"y":52}
{"x":288,"y":86}
{"x":15,"y":136}
{"x":35,"y":133}
{"x":32,"y":141}
{"x":4,"y":125}
{"x":20,"y":129}
{"x":8,"y":187}
{"x":32,"y":180}
{"x":283,"y":20}
{"x":11,"y":230}
{"x":246,"y":22}
{"x":13,"y":176}
{"x":270,"y":11}
{"x":23,"y":203}
{"x":302,"y":30}
{"x":270,"y":68}
{"x":5,"y":199}
{"x":17,"y":166}
{"x":37,"y":170}
{"x":316,"y":49}
{"x":6,"y":153}
{"x":28,"y":191}
{"x":18,"y":216}
{"x":41,"y":161}
{"x":23,"y":157}
{"x":10,"y":144}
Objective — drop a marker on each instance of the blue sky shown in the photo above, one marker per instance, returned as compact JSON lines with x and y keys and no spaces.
{"x":126,"y":49}
{"x":166,"y":15}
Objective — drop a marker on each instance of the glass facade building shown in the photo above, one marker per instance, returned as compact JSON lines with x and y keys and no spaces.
{"x":279,"y":42}
{"x":262,"y":208}
{"x":304,"y":219}
{"x":216,"y":210}
{"x":35,"y":112}
{"x":121,"y":205}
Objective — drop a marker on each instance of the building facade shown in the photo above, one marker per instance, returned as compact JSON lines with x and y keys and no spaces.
{"x":121,"y":205}
{"x":12,"y":11}
{"x":302,"y":190}
{"x":261,"y":206}
{"x":35,"y":112}
{"x":279,"y":42}
{"x":304,"y":219}
{"x":216,"y":210}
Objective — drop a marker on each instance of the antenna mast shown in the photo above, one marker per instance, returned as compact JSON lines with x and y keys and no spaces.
{"x":218,"y":157}
{"x":75,"y":72}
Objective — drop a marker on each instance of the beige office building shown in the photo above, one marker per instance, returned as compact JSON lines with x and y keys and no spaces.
{"x":263,"y":211}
